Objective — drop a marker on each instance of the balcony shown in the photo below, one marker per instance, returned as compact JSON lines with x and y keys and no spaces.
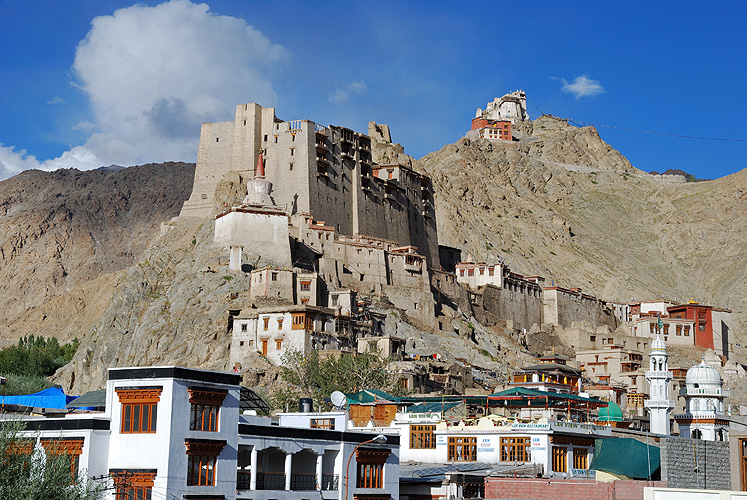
{"x":330,"y":482}
{"x":321,"y":159}
{"x":303,"y":482}
{"x":270,"y":480}
{"x":243,"y":480}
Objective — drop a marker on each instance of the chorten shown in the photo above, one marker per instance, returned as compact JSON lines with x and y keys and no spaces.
{"x":259,"y":188}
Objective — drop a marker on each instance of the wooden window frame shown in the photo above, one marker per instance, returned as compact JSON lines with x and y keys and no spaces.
{"x":202,"y":461}
{"x":204,"y":411}
{"x":422,"y":437}
{"x":298,"y":321}
{"x":72,"y":447}
{"x":266,"y":321}
{"x":581,"y":458}
{"x":743,"y":464}
{"x":516,"y":449}
{"x":559,"y":459}
{"x":462,"y":449}
{"x":323,"y":423}
{"x":370,"y":467}
{"x":278,"y":344}
{"x":306,"y":284}
{"x":133,"y":485}
{"x":134,"y":402}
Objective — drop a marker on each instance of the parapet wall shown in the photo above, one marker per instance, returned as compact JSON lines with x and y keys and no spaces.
{"x":524,"y":309}
{"x":563,"y":307}
{"x":564,"y":489}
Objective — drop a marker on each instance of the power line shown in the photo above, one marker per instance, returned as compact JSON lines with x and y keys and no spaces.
{"x":580,"y":123}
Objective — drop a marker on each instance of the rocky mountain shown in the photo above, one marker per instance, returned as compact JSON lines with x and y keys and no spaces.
{"x":66,"y":235}
{"x":563,"y":204}
{"x":102,"y":256}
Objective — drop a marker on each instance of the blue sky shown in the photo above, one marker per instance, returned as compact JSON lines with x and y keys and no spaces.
{"x":91,"y":83}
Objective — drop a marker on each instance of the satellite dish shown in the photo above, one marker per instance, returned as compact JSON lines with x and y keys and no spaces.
{"x":338,"y":399}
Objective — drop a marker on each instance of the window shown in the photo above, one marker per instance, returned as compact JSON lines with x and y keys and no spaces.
{"x":244,"y":327}
{"x":305,"y":301}
{"x":470,"y":272}
{"x":278,"y":344}
{"x":651,"y":326}
{"x":678,"y":329}
{"x":266,"y":321}
{"x":72,"y":448}
{"x":274,"y":276}
{"x":306,"y":285}
{"x":204,"y":408}
{"x":371,"y":467}
{"x":462,"y":449}
{"x":280,"y":323}
{"x":743,"y":463}
{"x":580,"y":458}
{"x":322,"y":423}
{"x":139,"y":409}
{"x":298,"y":321}
{"x":132,"y":485}
{"x":201,"y":470}
{"x":687,"y":330}
{"x":559,"y":459}
{"x":515,"y":449}
{"x":666,"y":329}
{"x":461,"y":272}
{"x":422,"y":437}
{"x":201,"y":460}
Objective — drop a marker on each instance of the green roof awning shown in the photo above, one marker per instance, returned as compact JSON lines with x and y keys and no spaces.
{"x":369,"y":396}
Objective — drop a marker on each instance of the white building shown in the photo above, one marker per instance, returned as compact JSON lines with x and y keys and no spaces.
{"x":659,"y":405}
{"x":559,"y":449}
{"x":177,"y":433}
{"x":704,"y":416}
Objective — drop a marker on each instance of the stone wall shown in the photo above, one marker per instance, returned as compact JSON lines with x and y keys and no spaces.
{"x":562,"y":307}
{"x":523,"y":308}
{"x":447,"y":292}
{"x":694,"y":463}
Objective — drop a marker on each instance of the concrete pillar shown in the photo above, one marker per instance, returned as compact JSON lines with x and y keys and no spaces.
{"x":253,"y":471}
{"x":319,"y":471}
{"x":288,"y":462}
{"x":234,"y":262}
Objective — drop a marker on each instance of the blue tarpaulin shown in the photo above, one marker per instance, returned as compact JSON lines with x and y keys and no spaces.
{"x":48,"y":398}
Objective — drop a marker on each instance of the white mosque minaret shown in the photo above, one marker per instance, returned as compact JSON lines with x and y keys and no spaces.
{"x":658,"y":376}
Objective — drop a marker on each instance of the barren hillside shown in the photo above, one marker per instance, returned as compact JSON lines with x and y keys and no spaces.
{"x":565,"y":205}
{"x":65,"y":235}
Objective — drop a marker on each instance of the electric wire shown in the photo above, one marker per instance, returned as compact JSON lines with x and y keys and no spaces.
{"x":581,"y":123}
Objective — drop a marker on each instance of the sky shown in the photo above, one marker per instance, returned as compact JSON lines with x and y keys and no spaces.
{"x":90,"y":83}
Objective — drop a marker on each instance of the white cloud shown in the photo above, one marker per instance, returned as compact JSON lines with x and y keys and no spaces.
{"x":582,"y":86}
{"x":56,"y":100}
{"x":343,"y":95}
{"x":153,"y":75}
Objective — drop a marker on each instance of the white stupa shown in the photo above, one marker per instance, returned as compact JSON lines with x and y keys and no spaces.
{"x":704,"y":416}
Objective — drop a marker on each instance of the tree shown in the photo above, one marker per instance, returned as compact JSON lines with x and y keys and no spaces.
{"x":311,"y":376}
{"x":28,"y":473}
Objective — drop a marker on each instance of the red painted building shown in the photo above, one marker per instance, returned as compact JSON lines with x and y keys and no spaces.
{"x":703,"y":322}
{"x":492,"y":129}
